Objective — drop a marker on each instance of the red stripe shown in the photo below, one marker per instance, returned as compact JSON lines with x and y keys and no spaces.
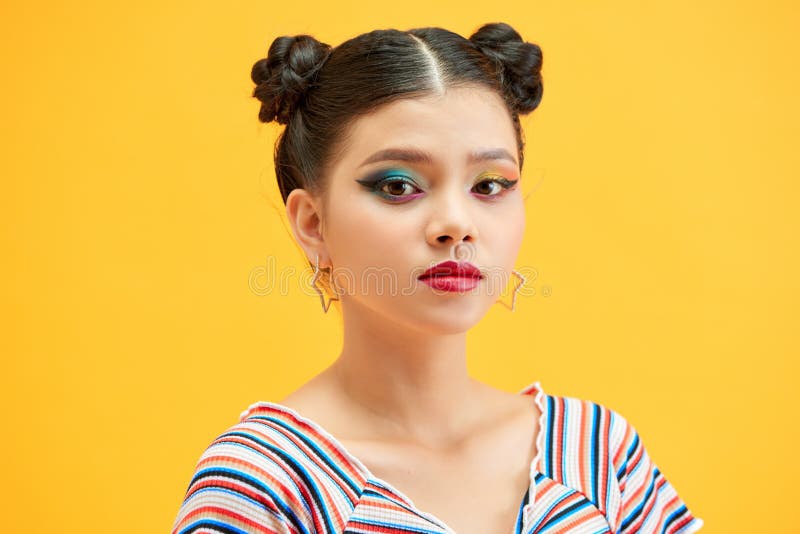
{"x":565,"y":503}
{"x":667,"y":509}
{"x":649,"y":506}
{"x":559,"y":444}
{"x":341,"y":461}
{"x":678,"y":525}
{"x":303,"y":486}
{"x":626,"y":439}
{"x":216,"y":510}
{"x":583,"y":458}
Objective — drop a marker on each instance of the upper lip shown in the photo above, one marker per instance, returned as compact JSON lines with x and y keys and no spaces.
{"x":452,"y":268}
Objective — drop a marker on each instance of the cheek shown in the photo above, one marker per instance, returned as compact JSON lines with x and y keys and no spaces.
{"x":519,"y":229}
{"x":364,"y":234}
{"x":508,"y":233}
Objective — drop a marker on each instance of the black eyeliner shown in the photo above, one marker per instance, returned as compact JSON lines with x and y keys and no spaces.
{"x":374,"y":181}
{"x":504,"y":182}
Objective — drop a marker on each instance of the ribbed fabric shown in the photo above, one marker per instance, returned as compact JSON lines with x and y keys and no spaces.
{"x":279,"y":472}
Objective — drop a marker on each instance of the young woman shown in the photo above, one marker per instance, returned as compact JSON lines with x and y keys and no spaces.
{"x":400,"y":168}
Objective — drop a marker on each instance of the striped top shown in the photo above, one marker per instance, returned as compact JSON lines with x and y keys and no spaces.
{"x":279,"y":472}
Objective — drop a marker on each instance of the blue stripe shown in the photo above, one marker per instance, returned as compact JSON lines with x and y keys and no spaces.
{"x":401,"y":504}
{"x":638,"y":510}
{"x":595,"y":441}
{"x":297,"y":467}
{"x":658,"y":490}
{"x":270,"y":460}
{"x":609,"y":460}
{"x":564,"y":441}
{"x":641,"y":462}
{"x":390,"y":527}
{"x":312,"y":445}
{"x":628,"y":456}
{"x":520,"y":515}
{"x":549,"y":467}
{"x":337,"y":486}
{"x":547,"y":511}
{"x":380,"y":496}
{"x":239,"y":475}
{"x":210,"y":523}
{"x":571,"y":510}
{"x":232,"y":493}
{"x":674,"y":516}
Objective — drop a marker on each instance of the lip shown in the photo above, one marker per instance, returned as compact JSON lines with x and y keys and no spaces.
{"x":455,"y":284}
{"x":452,"y":269}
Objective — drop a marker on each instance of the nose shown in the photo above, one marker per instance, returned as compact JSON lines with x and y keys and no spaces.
{"x":450,"y":222}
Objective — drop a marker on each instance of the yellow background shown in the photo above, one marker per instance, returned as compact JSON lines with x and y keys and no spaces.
{"x":138,"y":197}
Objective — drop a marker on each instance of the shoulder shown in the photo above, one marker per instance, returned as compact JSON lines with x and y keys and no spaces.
{"x":591,"y":434}
{"x":594,"y":449}
{"x":597,"y":429}
{"x":246,"y":478}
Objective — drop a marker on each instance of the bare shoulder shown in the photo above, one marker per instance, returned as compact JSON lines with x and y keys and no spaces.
{"x":321,"y":402}
{"x":502,"y":406}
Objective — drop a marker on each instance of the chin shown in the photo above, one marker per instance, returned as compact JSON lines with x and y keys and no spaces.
{"x":448,"y":319}
{"x":426,"y":316}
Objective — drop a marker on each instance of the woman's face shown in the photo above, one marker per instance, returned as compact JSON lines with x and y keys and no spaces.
{"x":390,"y":216}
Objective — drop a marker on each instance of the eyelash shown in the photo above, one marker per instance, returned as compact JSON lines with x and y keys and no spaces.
{"x":376,"y":186}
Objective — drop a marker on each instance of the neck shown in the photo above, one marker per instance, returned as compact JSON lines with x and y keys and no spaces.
{"x":406,"y":382}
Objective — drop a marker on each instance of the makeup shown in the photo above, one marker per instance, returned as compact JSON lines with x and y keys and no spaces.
{"x":452,"y":276}
{"x":393,"y":184}
{"x":451,"y":283}
{"x":399,"y":185}
{"x":498,"y":185}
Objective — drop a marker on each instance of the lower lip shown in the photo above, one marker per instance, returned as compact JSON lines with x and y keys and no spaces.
{"x":451,"y":283}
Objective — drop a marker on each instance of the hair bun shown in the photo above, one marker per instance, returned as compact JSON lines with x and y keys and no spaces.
{"x":283,"y":77}
{"x":519,"y":63}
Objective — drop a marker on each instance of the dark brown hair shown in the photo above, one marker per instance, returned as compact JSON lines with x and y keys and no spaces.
{"x":317,"y":91}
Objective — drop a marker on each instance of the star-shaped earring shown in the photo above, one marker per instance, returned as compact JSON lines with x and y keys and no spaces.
{"x":516,"y":290}
{"x":318,"y":290}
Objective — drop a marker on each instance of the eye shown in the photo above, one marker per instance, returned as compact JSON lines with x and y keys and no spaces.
{"x":493,"y":187}
{"x":395,"y":187}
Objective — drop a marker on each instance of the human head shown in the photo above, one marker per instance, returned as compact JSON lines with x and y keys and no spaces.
{"x":319,"y":92}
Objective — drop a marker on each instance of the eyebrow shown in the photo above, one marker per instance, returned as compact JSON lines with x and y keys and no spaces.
{"x":414,"y":155}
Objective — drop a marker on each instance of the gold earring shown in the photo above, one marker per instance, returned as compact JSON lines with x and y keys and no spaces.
{"x":516,"y":289}
{"x":321,"y":294}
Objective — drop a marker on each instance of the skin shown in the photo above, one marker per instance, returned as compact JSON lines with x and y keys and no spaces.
{"x":401,"y":378}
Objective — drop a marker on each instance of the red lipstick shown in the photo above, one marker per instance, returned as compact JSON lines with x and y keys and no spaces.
{"x":452,"y":276}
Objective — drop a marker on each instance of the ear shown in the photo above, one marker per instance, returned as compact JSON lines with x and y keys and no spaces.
{"x":302,"y":210}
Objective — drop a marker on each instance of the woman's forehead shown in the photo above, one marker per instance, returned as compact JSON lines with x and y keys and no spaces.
{"x":466,"y":122}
